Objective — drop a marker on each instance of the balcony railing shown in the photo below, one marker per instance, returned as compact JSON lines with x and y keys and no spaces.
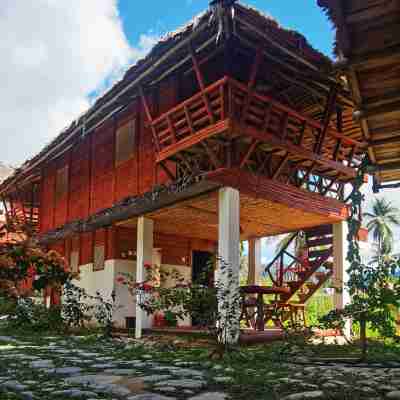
{"x":229,"y":104}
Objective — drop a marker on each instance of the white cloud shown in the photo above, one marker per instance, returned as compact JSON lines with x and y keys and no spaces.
{"x":54,"y":53}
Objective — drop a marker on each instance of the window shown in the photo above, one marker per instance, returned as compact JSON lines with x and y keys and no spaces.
{"x":125,"y":139}
{"x":61,"y":182}
{"x":98,"y":258}
{"x":74,"y":261}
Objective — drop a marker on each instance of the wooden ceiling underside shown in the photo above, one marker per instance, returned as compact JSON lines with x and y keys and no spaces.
{"x":368,"y":41}
{"x":198,"y":218}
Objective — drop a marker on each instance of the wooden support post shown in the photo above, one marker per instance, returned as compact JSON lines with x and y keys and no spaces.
{"x":172,"y":129}
{"x":329,"y":110}
{"x":149,"y":118}
{"x":200,"y":81}
{"x":145,"y":229}
{"x":252,"y":82}
{"x":228,"y":252}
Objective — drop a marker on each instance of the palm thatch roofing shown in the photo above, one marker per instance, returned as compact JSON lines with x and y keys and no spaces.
{"x":368,"y":47}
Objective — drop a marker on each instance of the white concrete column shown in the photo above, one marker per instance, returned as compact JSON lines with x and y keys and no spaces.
{"x":340,"y":267}
{"x":145,"y":228}
{"x":229,"y":255}
{"x":254,"y":261}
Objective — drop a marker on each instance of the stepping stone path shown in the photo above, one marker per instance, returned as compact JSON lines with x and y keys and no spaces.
{"x":72,"y":369}
{"x":64,"y":370}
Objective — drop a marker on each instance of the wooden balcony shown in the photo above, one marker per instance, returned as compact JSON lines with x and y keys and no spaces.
{"x":231,"y":109}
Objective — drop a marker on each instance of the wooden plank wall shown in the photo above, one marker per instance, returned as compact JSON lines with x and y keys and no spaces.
{"x":95,"y":181}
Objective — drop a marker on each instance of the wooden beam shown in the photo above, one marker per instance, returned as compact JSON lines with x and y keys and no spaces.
{"x":388,"y":140}
{"x":263,"y":188}
{"x":213,"y":158}
{"x":167,"y":171}
{"x":385,"y":167}
{"x":249,"y":152}
{"x":200,"y":81}
{"x":296,"y":150}
{"x":343,"y":31}
{"x":281,"y":165}
{"x":149,"y":118}
{"x":297,"y":115}
{"x":381,"y":111}
{"x":190,"y":141}
{"x":329,"y":110}
{"x":371,"y":59}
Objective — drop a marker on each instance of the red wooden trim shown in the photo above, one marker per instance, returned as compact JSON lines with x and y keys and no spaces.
{"x":189,"y":141}
{"x":260,"y":187}
{"x":295,"y":114}
{"x":149,"y":117}
{"x":189,"y":101}
{"x":296,"y":150}
{"x":200,"y":81}
{"x":199,"y":75}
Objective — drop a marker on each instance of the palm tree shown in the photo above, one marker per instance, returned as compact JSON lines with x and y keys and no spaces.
{"x":382,"y":219}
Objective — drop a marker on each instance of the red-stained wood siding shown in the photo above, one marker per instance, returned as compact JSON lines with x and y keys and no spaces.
{"x":47,"y":198}
{"x":61,"y":190}
{"x":80,"y":181}
{"x":126,"y":173}
{"x":95,"y":180}
{"x":111,"y":243}
{"x":146,"y":156}
{"x":103,"y":167}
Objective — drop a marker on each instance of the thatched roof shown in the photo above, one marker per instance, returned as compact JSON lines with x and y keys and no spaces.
{"x":144,"y":71}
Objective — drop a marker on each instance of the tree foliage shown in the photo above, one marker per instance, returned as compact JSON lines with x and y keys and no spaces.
{"x":371,"y":287}
{"x":381,"y":221}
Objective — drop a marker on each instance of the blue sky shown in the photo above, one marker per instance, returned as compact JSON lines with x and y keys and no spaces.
{"x":160,"y":16}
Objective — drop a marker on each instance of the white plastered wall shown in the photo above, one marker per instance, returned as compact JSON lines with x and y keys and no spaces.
{"x":104,"y":281}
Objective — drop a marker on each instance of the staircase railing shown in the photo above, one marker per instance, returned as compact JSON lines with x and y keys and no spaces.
{"x":278,"y":270}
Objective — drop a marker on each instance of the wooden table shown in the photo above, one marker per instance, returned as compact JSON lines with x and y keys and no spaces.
{"x":256,"y":301}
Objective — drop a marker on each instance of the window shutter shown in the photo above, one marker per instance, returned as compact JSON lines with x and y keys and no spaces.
{"x":125,"y":142}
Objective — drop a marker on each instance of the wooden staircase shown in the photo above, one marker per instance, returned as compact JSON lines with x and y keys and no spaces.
{"x":306,"y":274}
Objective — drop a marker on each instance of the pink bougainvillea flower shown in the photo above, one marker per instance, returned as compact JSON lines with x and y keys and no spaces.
{"x":120,"y":279}
{"x":147,"y":265}
{"x":146,"y":287}
{"x":31,"y":272}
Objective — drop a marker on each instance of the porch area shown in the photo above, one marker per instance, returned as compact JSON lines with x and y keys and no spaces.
{"x":248,"y":208}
